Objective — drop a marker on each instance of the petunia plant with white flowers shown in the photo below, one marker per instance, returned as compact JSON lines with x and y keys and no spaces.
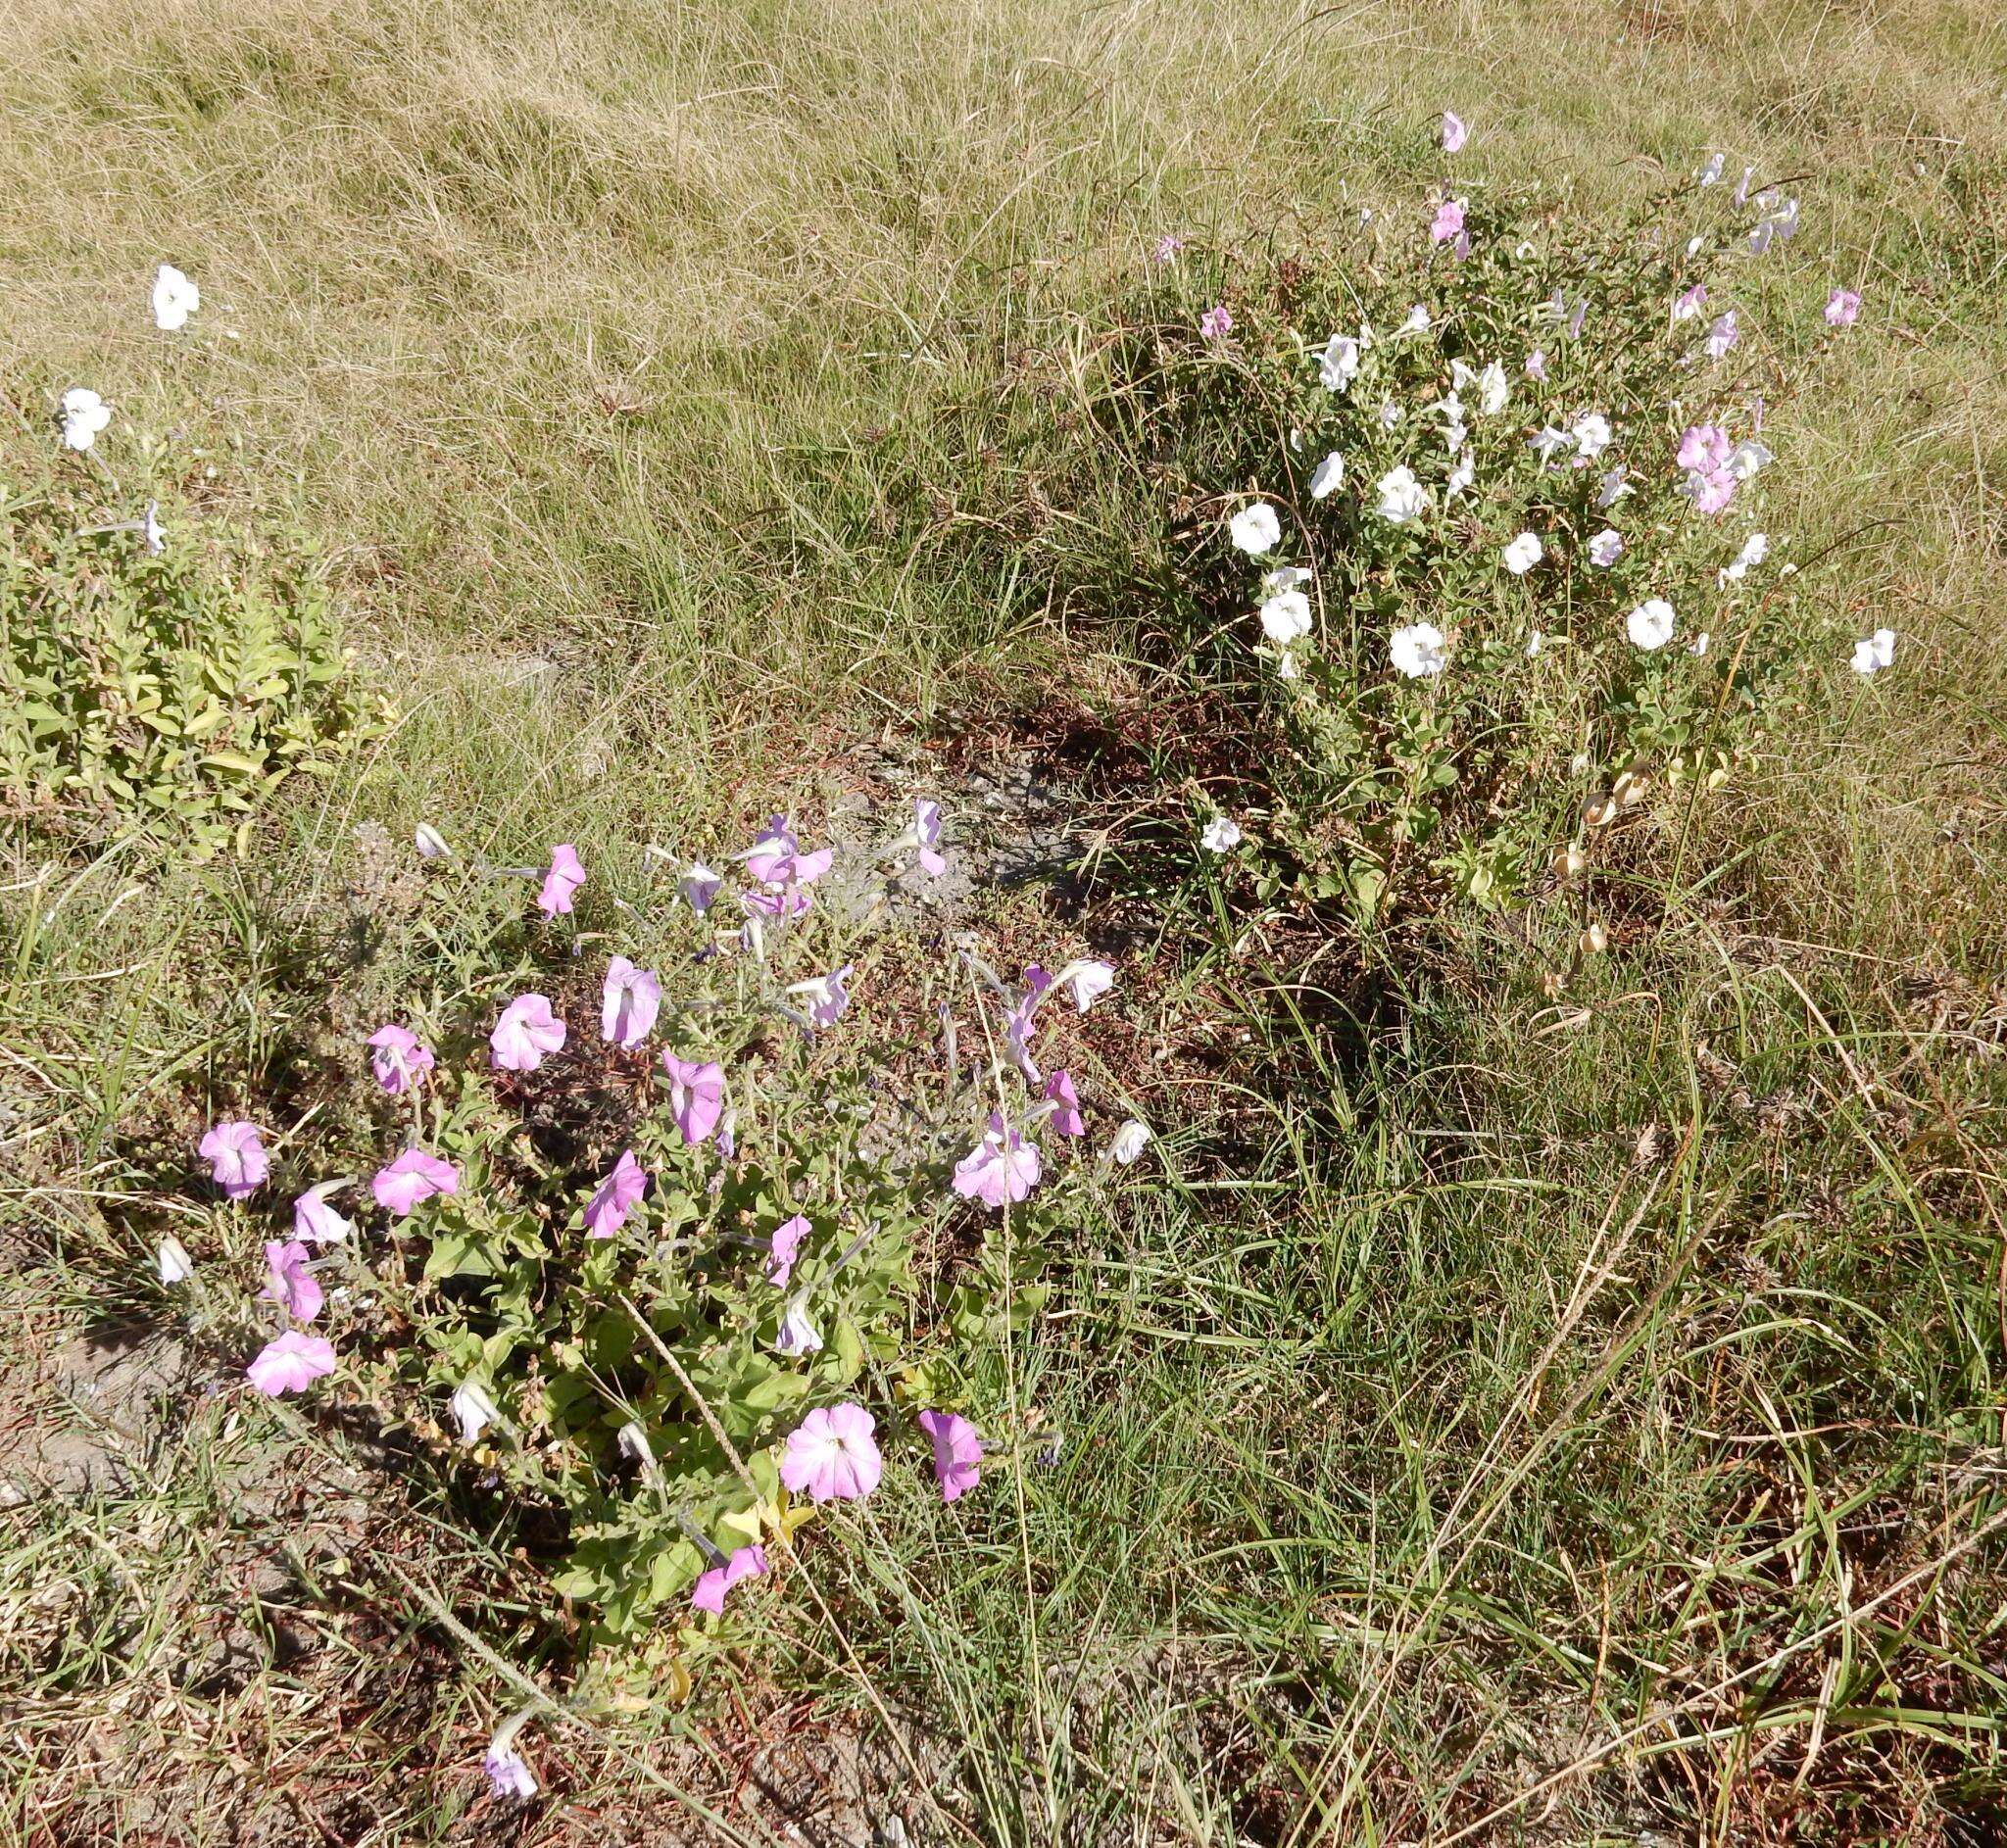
{"x":1469,"y":523}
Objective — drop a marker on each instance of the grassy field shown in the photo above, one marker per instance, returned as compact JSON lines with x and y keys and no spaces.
{"x":1514,"y":1416}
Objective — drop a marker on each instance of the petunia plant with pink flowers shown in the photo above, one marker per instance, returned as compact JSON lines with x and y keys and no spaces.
{"x":641,"y":1230}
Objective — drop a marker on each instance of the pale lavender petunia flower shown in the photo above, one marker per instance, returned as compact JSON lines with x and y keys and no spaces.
{"x":783,"y":1249}
{"x":927,"y":833}
{"x":236,"y":1157}
{"x":699,"y":887}
{"x":564,"y":879}
{"x":526,"y":1033}
{"x":697,"y":1095}
{"x":615,"y":1197}
{"x":291,"y":1363}
{"x":825,"y":996}
{"x":288,"y":1281}
{"x":1447,"y":223}
{"x":1167,"y":247}
{"x":508,"y":1775}
{"x":1537,"y":364}
{"x":708,"y":1593}
{"x":832,"y":1455}
{"x":1066,"y":1105}
{"x":1003,"y":1167}
{"x":957,"y":1452}
{"x":1843,"y":308}
{"x":1723,"y":335}
{"x":1086,"y":982}
{"x":1216,"y":323}
{"x":399,"y":1059}
{"x":1687,"y":306}
{"x":777,"y":861}
{"x":628,"y":1003}
{"x":1606,"y":548}
{"x":413,"y":1176}
{"x":1453,"y":134}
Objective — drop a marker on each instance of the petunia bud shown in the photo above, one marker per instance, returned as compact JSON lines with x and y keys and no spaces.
{"x":430,"y":843}
{"x":176,"y":1266}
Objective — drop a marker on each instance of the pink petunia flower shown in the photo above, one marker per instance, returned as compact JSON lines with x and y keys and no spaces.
{"x":784,"y":1249}
{"x":708,"y":1593}
{"x":1703,"y":447}
{"x":957,"y":1452}
{"x":291,"y":1363}
{"x":564,"y":879}
{"x":825,"y":996}
{"x":776,"y":859}
{"x":413,"y":1176}
{"x":236,"y":1157}
{"x":1001,"y":1167}
{"x":788,"y":902}
{"x":615,"y":1197}
{"x":289,"y":1282}
{"x":697,"y":1095}
{"x":1537,"y":364}
{"x":526,"y":1031}
{"x":1723,"y":335}
{"x":1448,"y":221}
{"x":1843,"y":308}
{"x":1453,"y":134}
{"x":1216,"y":323}
{"x":1167,"y":247}
{"x":1065,"y":1115}
{"x":314,"y":1221}
{"x":508,"y":1775}
{"x":629,"y":1003}
{"x":927,"y":832}
{"x":399,"y":1059}
{"x":1086,"y":982}
{"x":831,"y":1455}
{"x":1687,"y":306}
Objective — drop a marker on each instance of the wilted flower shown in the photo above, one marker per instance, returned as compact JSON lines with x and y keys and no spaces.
{"x":1756,"y":549}
{"x":526,"y":1031}
{"x":413,"y":1176}
{"x":1548,"y":442}
{"x":84,"y":414}
{"x":784,"y":1249}
{"x":1687,"y":305}
{"x":1779,"y":223}
{"x":176,"y":1265}
{"x":399,"y":1059}
{"x":1606,"y":548}
{"x":1416,"y":651}
{"x":1221,"y":835}
{"x":1327,"y":475}
{"x":1064,"y":1115}
{"x":1873,"y":653}
{"x":1650,"y":624}
{"x":798,"y":1335}
{"x":474,"y":1408}
{"x":957,"y":1452}
{"x":1129,"y":1141}
{"x":1285,"y":616}
{"x":508,"y":1775}
{"x":430,"y":843}
{"x":927,"y":836}
{"x":699,"y":887}
{"x":1522,"y":554}
{"x":629,"y":1003}
{"x":154,"y":534}
{"x":1086,"y":982}
{"x":1492,"y":389}
{"x":1003,"y":1167}
{"x":709,"y":1592}
{"x":174,"y":299}
{"x":236,"y":1157}
{"x":1698,"y":646}
{"x":1453,"y":134}
{"x":564,"y":878}
{"x":1843,"y":308}
{"x":314,"y":1221}
{"x":1460,"y":477}
{"x":825,"y":996}
{"x":1594,"y":941}
{"x":615,"y":1197}
{"x":1535,"y":643}
{"x":697,"y":1095}
{"x":1712,"y":171}
{"x":1339,"y":363}
{"x":1255,"y":529}
{"x":1447,"y":222}
{"x":1403,"y":498}
{"x":1167,"y":247}
{"x":832,"y":1456}
{"x":1722,"y":335}
{"x":1389,"y":414}
{"x":291,"y":1363}
{"x":1216,"y":323}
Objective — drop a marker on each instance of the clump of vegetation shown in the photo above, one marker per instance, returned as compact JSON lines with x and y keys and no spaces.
{"x":165,"y":677}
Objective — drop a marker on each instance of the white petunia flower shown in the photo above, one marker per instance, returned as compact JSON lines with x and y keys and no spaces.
{"x":1417,"y":650}
{"x":1612,"y":489}
{"x":1875,"y":652}
{"x":84,"y":414}
{"x":1592,"y":434}
{"x":174,"y":299}
{"x":1533,"y":643}
{"x":1327,"y":475}
{"x":1698,"y":646}
{"x":156,"y":533}
{"x":1417,"y":321}
{"x":1255,"y":529}
{"x":798,"y":1335}
{"x":1549,"y":442}
{"x":1606,"y":548}
{"x":1222,"y":835}
{"x":1129,"y":1141}
{"x":1748,"y":457}
{"x":1756,"y":549}
{"x":1339,"y":365}
{"x":1285,"y":616}
{"x":1403,"y":498}
{"x":1523,"y":553}
{"x":1492,"y":389}
{"x":1284,"y":577}
{"x":1650,"y":624}
{"x":1461,"y":476}
{"x":1390,"y":414}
